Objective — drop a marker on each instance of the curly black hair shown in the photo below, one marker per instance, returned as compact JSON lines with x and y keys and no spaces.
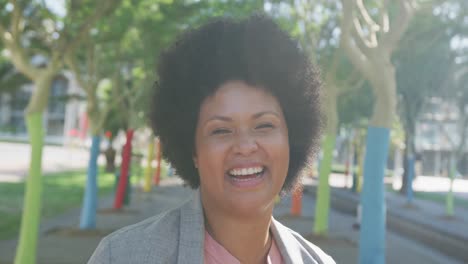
{"x":253,"y":50}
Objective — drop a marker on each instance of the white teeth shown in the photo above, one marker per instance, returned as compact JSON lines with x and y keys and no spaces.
{"x":245,"y":171}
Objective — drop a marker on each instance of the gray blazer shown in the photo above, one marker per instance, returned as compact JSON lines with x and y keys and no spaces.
{"x":177,"y":236}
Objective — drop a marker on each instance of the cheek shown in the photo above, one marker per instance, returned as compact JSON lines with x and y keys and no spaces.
{"x":210,"y":159}
{"x":278,"y":149}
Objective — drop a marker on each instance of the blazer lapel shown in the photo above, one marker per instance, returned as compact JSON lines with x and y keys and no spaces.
{"x":286,"y":243}
{"x":192,"y":232}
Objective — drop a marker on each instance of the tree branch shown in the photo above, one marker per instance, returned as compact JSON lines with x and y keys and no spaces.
{"x":71,"y":62}
{"x":384,"y":19}
{"x":364,"y":42}
{"x":18,"y":58}
{"x":91,"y":63}
{"x":16,"y":20}
{"x":69,"y":46}
{"x":4,"y":33}
{"x":117,"y":101}
{"x":17,"y":53}
{"x":373,"y":27}
{"x":355,"y":54}
{"x":398,"y":28}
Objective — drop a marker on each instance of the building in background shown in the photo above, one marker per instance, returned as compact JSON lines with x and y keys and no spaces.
{"x":438,"y":137}
{"x":64,"y":119}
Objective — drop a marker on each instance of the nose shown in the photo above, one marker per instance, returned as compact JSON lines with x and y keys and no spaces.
{"x":245,"y":144}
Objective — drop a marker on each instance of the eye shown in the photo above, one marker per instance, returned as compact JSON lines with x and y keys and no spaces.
{"x":265,"y":126}
{"x":220,"y":131}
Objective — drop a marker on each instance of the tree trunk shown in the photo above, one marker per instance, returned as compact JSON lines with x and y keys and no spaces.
{"x":409,"y":160}
{"x":404,"y":178}
{"x":157,"y":174}
{"x":90,"y":197}
{"x":449,"y":203}
{"x":328,"y":146}
{"x":124,"y":171}
{"x":88,"y":210}
{"x":27,"y":245}
{"x":149,"y":168}
{"x":30,"y":220}
{"x":372,"y":235}
{"x":323,"y":192}
{"x":40,"y":96}
{"x":110,"y":158}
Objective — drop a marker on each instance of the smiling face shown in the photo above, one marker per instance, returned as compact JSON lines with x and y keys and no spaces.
{"x":241,"y":149}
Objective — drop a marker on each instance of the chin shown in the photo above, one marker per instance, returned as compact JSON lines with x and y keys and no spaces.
{"x":251,"y":204}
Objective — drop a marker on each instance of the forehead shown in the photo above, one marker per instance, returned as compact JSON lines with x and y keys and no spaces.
{"x":238,"y":98}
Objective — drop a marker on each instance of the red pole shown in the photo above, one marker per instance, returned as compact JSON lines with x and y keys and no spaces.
{"x":84,"y":123}
{"x":126,"y":155}
{"x":296,"y":206}
{"x":157,"y":174}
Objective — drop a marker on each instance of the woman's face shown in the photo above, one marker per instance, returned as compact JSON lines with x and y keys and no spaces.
{"x":241,"y":149}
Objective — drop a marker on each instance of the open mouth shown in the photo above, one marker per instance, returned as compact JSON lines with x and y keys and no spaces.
{"x":244,"y":175}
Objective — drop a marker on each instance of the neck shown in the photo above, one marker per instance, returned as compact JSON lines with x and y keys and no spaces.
{"x":247,"y":239}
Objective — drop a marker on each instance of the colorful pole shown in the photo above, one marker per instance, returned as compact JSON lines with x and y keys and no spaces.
{"x":410,"y":175}
{"x":157,"y":175}
{"x":29,"y":231}
{"x":323,"y":191}
{"x":88,"y":210}
{"x":296,"y":206}
{"x":449,"y":203}
{"x":124,"y":170}
{"x":149,"y":168}
{"x":372,"y":234}
{"x":355,"y":169}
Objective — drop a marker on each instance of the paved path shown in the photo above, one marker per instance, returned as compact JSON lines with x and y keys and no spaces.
{"x":61,"y":243}
{"x":15,"y":157}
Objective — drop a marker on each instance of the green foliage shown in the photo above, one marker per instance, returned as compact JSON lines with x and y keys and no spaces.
{"x":423,"y":66}
{"x":356,"y":106}
{"x":10,"y":79}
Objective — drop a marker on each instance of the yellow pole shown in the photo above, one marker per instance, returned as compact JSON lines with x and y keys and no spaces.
{"x":149,"y":168}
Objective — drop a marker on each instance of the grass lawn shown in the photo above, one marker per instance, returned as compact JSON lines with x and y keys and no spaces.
{"x":440,"y":198}
{"x":61,"y":191}
{"x":437,"y":198}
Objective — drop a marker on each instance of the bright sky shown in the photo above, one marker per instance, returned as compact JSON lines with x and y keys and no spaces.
{"x":56,"y":6}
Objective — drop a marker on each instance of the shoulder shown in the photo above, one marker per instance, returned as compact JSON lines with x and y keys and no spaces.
{"x":294,"y":246}
{"x":313,"y":249}
{"x":140,"y":242}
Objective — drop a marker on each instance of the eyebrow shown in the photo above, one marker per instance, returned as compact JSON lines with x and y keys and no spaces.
{"x":228,"y":119}
{"x":218,"y":117}
{"x":257,"y":115}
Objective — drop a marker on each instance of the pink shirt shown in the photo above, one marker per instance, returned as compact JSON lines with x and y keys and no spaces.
{"x":217,"y":254}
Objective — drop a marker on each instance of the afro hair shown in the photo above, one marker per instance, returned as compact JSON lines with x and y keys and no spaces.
{"x":253,"y":50}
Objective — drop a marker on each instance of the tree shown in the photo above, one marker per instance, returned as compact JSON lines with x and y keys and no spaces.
{"x":423,"y":63}
{"x":317,"y":35}
{"x":30,"y":29}
{"x":369,"y":46}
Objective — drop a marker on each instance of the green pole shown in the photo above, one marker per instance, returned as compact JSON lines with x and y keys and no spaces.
{"x":449,"y":198}
{"x":27,"y":245}
{"x":323,"y":193}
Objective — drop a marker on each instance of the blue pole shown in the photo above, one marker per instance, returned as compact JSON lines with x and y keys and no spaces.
{"x":410,"y":175}
{"x":372,"y":235}
{"x":88,"y":210}
{"x":355,"y":165}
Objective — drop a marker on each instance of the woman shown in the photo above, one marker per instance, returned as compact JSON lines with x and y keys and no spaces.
{"x":237,"y":111}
